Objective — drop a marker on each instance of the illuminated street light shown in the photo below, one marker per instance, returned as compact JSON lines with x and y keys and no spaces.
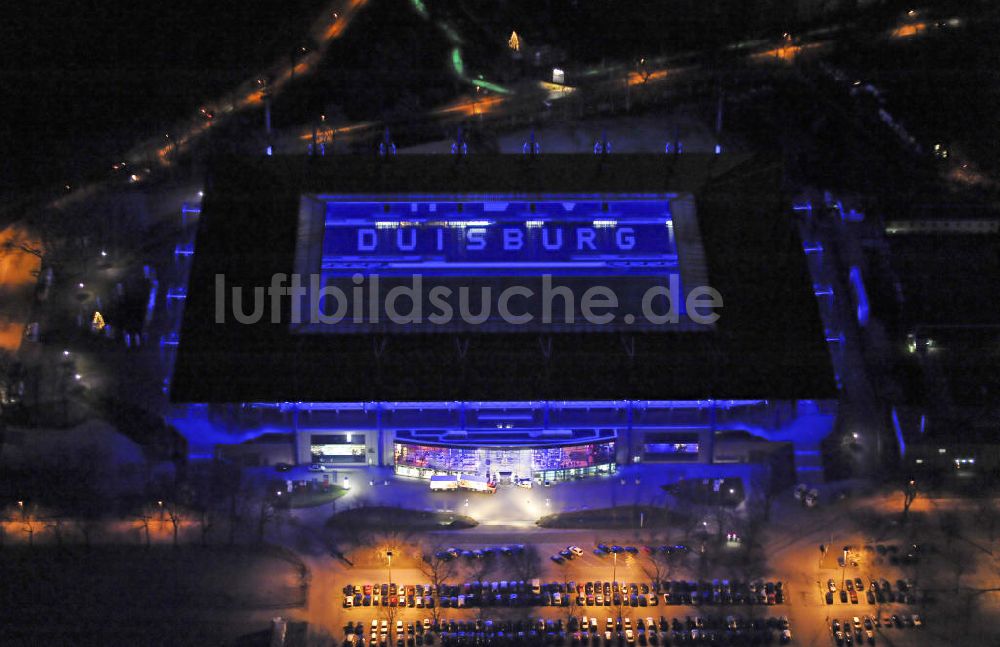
{"x":388,"y":555}
{"x":65,"y":353}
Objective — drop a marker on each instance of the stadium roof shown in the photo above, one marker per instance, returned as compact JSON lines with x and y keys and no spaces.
{"x":769,"y":342}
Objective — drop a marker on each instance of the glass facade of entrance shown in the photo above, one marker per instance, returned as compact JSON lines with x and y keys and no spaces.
{"x":506,"y":464}
{"x":338,"y":448}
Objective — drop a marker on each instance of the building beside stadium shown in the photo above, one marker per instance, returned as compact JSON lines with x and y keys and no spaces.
{"x":491,"y":398}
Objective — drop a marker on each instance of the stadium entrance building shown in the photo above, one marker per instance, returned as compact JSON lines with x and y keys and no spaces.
{"x":532,"y":400}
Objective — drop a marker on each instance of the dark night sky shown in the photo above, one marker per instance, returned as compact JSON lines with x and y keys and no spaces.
{"x":81,"y":82}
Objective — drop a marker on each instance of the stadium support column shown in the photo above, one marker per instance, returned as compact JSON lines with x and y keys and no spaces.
{"x":708,"y":440}
{"x":380,"y":434}
{"x":632,"y":440}
{"x":301,"y":441}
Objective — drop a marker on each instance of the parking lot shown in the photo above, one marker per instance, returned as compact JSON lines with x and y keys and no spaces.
{"x":577,"y":631}
{"x":706,"y":606}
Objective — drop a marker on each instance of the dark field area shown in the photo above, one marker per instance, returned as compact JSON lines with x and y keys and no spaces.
{"x":608,"y":518}
{"x":133,"y":596}
{"x":379,"y":518}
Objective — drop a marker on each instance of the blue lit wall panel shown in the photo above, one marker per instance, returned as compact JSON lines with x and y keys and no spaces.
{"x":368,"y":248}
{"x":590,"y":238}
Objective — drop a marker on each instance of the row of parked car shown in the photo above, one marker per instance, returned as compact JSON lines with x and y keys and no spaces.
{"x":566,"y":554}
{"x":861,"y":630}
{"x":518,"y":593}
{"x":450,"y":553}
{"x":577,"y":632}
{"x":723,"y":592}
{"x":878,"y":591}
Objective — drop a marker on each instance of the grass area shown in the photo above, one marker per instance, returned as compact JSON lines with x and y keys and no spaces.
{"x":313,"y":498}
{"x":607,"y":518}
{"x":114,"y":595}
{"x":381,"y":517}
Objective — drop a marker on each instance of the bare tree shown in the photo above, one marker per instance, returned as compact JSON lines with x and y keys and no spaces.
{"x":751,"y":558}
{"x":87,"y":521}
{"x":264,"y":513}
{"x":526,"y":564}
{"x":176,"y":515}
{"x":144,"y":517}
{"x":56,"y":524}
{"x":987,"y":515}
{"x":21,"y":241}
{"x":227,"y":484}
{"x":482,"y":567}
{"x":762,"y":493}
{"x":656,"y":564}
{"x":909,"y":496}
{"x":438,"y":569}
{"x":29,"y":518}
{"x":5,"y":518}
{"x":205,"y":515}
{"x":572,"y":607}
{"x":389,"y":612}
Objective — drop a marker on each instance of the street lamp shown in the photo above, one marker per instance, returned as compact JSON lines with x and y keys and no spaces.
{"x":614,"y":569}
{"x":388,"y":554}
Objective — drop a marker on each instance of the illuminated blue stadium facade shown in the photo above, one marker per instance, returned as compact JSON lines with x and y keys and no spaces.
{"x":539,"y":400}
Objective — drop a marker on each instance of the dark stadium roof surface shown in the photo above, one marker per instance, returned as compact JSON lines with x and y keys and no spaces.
{"x":768,"y":343}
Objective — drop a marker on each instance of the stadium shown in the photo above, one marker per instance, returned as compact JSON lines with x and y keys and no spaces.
{"x":532,"y":401}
